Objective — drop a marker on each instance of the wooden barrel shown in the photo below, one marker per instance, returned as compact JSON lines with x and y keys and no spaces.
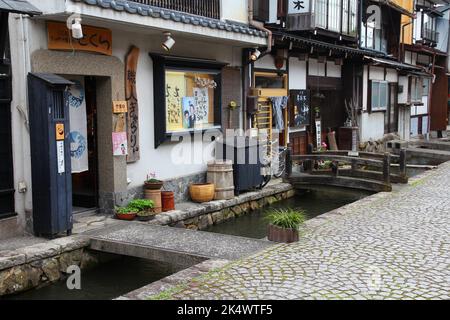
{"x":168,"y":201}
{"x":155,"y":196}
{"x":220,"y":172}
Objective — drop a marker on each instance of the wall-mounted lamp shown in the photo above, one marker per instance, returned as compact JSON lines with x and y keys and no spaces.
{"x":255,"y":55}
{"x":77,"y":29}
{"x":169,"y":42}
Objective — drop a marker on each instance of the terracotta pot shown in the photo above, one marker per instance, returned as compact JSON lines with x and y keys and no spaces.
{"x":153,"y":185}
{"x":168,"y":201}
{"x":126,"y":217}
{"x":202,"y":192}
{"x":155,"y":196}
{"x":282,"y":235}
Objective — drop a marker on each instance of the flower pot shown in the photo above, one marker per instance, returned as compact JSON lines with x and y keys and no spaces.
{"x":153,"y":185}
{"x":155,"y":196}
{"x":126,"y":217}
{"x":202,"y":192}
{"x":168,"y":201}
{"x":282,"y":235}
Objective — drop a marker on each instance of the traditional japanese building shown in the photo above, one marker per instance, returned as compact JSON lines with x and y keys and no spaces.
{"x":134,"y":68}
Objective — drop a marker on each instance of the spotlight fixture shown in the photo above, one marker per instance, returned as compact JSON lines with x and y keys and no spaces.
{"x":169,"y":42}
{"x":255,"y":55}
{"x":77,"y":29}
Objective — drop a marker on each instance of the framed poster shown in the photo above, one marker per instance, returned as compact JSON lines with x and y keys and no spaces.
{"x":300,"y":111}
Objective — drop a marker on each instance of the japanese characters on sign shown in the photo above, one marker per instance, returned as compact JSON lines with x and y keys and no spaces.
{"x":298,"y":6}
{"x":120,"y":107}
{"x":95,"y":39}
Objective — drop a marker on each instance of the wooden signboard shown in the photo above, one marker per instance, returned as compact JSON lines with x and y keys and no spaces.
{"x":60,"y":131}
{"x":133,"y":106}
{"x":95,"y":39}
{"x":120,"y":107}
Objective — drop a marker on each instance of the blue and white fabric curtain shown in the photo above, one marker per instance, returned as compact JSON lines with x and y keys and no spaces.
{"x":78,"y":127}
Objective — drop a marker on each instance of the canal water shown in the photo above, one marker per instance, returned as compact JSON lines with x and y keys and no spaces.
{"x":105,"y":282}
{"x":314,"y":203}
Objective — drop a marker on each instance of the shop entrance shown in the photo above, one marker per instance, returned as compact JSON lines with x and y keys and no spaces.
{"x":84,"y":147}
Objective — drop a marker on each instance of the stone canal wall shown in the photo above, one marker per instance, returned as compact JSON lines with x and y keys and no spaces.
{"x":201,"y":216}
{"x":44,"y":263}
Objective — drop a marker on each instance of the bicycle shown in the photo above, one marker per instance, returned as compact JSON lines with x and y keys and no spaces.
{"x":274,"y":168}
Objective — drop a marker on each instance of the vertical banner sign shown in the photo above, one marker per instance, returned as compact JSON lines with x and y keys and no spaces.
{"x":78,"y":127}
{"x":133,"y":106}
{"x":319,"y":133}
{"x":60,"y":157}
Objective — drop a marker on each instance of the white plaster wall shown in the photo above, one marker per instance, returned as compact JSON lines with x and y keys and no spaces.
{"x":333,"y":70}
{"x":236,"y":10}
{"x":372,"y":125}
{"x":267,"y":62}
{"x":404,"y":123}
{"x":297,"y":74}
{"x":316,"y":68}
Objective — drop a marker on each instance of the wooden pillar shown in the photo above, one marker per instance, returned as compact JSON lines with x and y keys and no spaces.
{"x":288,"y":160}
{"x":387,"y":168}
{"x":403,"y":163}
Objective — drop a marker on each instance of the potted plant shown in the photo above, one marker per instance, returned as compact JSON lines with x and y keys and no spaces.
{"x":126,"y":213}
{"x":284,"y":225}
{"x":144,"y":209}
{"x":152,"y":183}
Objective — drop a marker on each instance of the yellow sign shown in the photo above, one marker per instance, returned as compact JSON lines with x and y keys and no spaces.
{"x":95,"y":39}
{"x":175,"y":91}
{"x":60,"y":131}
{"x":120,"y":107}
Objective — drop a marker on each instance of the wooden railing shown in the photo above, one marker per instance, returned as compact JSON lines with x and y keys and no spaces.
{"x":205,"y":8}
{"x":363,"y":165}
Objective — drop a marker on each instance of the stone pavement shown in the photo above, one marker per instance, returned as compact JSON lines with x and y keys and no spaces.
{"x":387,"y":246}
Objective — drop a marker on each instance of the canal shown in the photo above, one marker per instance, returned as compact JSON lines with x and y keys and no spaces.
{"x":313,"y":203}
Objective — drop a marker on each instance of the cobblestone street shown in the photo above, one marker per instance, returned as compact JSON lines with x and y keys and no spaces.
{"x":388,"y":246}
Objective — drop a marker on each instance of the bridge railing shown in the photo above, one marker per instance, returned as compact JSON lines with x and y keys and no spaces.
{"x":364,"y":165}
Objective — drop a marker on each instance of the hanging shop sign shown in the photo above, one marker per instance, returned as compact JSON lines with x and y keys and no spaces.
{"x":132,"y":104}
{"x":98,"y":40}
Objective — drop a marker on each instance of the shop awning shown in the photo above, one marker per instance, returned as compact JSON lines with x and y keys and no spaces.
{"x":393,"y":64}
{"x":19,"y":6}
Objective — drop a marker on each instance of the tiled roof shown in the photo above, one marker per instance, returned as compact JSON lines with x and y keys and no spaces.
{"x":177,"y":16}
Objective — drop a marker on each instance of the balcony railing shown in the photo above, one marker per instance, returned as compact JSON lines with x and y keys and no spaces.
{"x":338,"y":16}
{"x":205,"y":8}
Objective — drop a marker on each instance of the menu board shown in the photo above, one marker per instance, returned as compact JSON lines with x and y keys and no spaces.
{"x":300,"y":111}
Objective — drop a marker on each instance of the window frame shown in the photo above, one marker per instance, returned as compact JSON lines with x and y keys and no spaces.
{"x":163,"y":63}
{"x":378,"y":108}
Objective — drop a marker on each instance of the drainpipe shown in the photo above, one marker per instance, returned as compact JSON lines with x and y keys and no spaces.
{"x":260,"y":26}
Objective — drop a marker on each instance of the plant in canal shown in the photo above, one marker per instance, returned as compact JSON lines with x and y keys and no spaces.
{"x":286,"y":218}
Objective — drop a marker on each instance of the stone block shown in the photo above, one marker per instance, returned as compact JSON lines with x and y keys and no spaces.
{"x":40,"y":251}
{"x":205,"y":221}
{"x":51,"y":268}
{"x":217,"y":217}
{"x":10,"y":259}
